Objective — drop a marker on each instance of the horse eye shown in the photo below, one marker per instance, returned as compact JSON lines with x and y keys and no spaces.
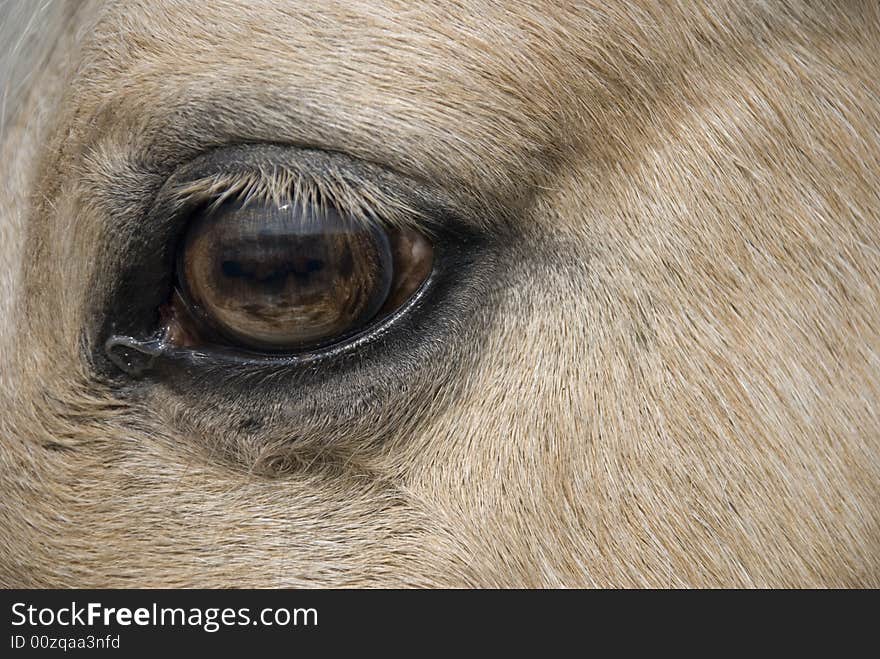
{"x":288,"y":278}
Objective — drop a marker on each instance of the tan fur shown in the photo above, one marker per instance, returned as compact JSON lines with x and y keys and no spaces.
{"x":681,"y":386}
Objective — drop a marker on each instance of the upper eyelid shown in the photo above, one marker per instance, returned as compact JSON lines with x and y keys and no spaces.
{"x":370,"y":194}
{"x":130,"y":189}
{"x":360,"y":201}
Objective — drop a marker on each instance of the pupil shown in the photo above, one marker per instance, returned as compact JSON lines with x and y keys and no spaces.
{"x":276,"y":278}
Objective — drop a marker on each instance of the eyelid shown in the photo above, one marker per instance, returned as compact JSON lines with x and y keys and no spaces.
{"x":362,"y":198}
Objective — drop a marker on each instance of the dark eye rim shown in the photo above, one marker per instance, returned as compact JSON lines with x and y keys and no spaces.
{"x":148,"y":273}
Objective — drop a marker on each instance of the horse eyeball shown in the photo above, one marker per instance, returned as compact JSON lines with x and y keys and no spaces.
{"x":285,"y":278}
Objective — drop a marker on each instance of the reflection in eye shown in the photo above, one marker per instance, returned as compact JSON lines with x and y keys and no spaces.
{"x":281,"y":278}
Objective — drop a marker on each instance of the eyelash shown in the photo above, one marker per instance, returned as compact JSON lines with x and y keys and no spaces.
{"x":282,"y":186}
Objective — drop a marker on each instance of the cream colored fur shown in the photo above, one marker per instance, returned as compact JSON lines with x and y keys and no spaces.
{"x":683,"y":390}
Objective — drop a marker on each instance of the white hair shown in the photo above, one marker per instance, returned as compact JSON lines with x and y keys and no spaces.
{"x":27,"y":31}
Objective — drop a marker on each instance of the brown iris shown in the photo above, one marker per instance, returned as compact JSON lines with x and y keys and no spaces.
{"x":284,"y":278}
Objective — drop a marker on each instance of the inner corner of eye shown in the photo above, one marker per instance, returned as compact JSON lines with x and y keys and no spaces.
{"x":289,"y":277}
